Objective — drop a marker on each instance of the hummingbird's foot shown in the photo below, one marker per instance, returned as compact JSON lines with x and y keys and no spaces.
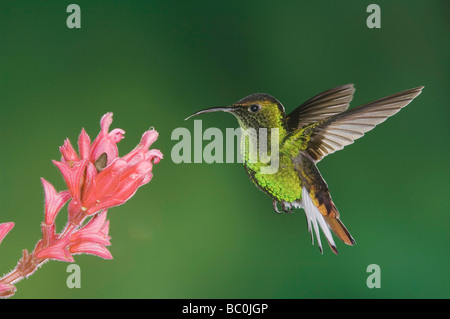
{"x":275,"y":207}
{"x":287,"y":207}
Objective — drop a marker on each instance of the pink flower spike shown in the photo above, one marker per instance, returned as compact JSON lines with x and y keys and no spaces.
{"x":106,"y":142}
{"x":7,"y":290}
{"x":57,"y":251}
{"x":4,"y":229}
{"x":53,"y":201}
{"x":84,"y":144}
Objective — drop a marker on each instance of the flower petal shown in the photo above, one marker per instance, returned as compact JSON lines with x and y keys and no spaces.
{"x":146,"y":141}
{"x":94,"y":231}
{"x":56,"y":251}
{"x":154,"y":155}
{"x":148,"y":138}
{"x":89,"y":184}
{"x":128,"y":182}
{"x":84,"y":144}
{"x":7,"y":290}
{"x":116,"y":135}
{"x":106,"y":142}
{"x":104,"y":185}
{"x":4,"y":229}
{"x":92,"y":249}
{"x":54,"y":201}
{"x":73,"y":176}
{"x":105,"y":122}
{"x":68,"y":153}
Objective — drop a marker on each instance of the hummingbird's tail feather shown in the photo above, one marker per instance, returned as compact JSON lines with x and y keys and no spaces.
{"x":318,"y":205}
{"x":340,"y":230}
{"x":316,"y":219}
{"x":328,"y":221}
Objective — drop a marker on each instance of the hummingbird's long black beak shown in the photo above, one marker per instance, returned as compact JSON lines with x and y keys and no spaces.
{"x":211,"y":109}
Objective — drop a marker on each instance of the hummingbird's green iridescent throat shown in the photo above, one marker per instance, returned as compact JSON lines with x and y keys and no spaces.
{"x":320,"y":126}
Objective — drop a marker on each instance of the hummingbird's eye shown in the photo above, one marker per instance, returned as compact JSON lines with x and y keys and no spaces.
{"x":254,"y":108}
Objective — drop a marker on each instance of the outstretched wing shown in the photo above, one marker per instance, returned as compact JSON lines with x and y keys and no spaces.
{"x":326,"y":104}
{"x":334,"y":133}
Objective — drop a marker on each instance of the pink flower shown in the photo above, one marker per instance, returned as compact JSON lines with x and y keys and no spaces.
{"x":106,"y":142}
{"x":69,"y":155}
{"x":53,"y":201}
{"x":59,"y":250}
{"x":84,"y":144}
{"x":116,"y":184}
{"x":7,"y":290}
{"x":92,"y":189}
{"x":4,"y":230}
{"x":73,"y":176}
{"x":92,"y":238}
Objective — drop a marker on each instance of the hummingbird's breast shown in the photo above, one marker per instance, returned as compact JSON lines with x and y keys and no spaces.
{"x":280,"y":181}
{"x":284,"y":185}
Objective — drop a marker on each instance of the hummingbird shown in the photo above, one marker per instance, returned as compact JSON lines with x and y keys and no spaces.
{"x":321,"y":126}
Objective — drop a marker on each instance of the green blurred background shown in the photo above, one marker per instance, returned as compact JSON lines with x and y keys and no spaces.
{"x":204,"y":231}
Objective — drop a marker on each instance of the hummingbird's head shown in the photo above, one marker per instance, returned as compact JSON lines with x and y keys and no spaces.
{"x":254,"y":111}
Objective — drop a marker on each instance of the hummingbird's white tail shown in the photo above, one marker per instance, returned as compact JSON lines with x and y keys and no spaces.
{"x":316,"y":219}
{"x":328,"y":220}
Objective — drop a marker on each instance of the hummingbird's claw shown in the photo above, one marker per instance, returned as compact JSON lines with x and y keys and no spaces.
{"x":275,"y":207}
{"x":287,"y":208}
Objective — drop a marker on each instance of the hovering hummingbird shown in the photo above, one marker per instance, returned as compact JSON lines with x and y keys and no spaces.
{"x":318,"y":127}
